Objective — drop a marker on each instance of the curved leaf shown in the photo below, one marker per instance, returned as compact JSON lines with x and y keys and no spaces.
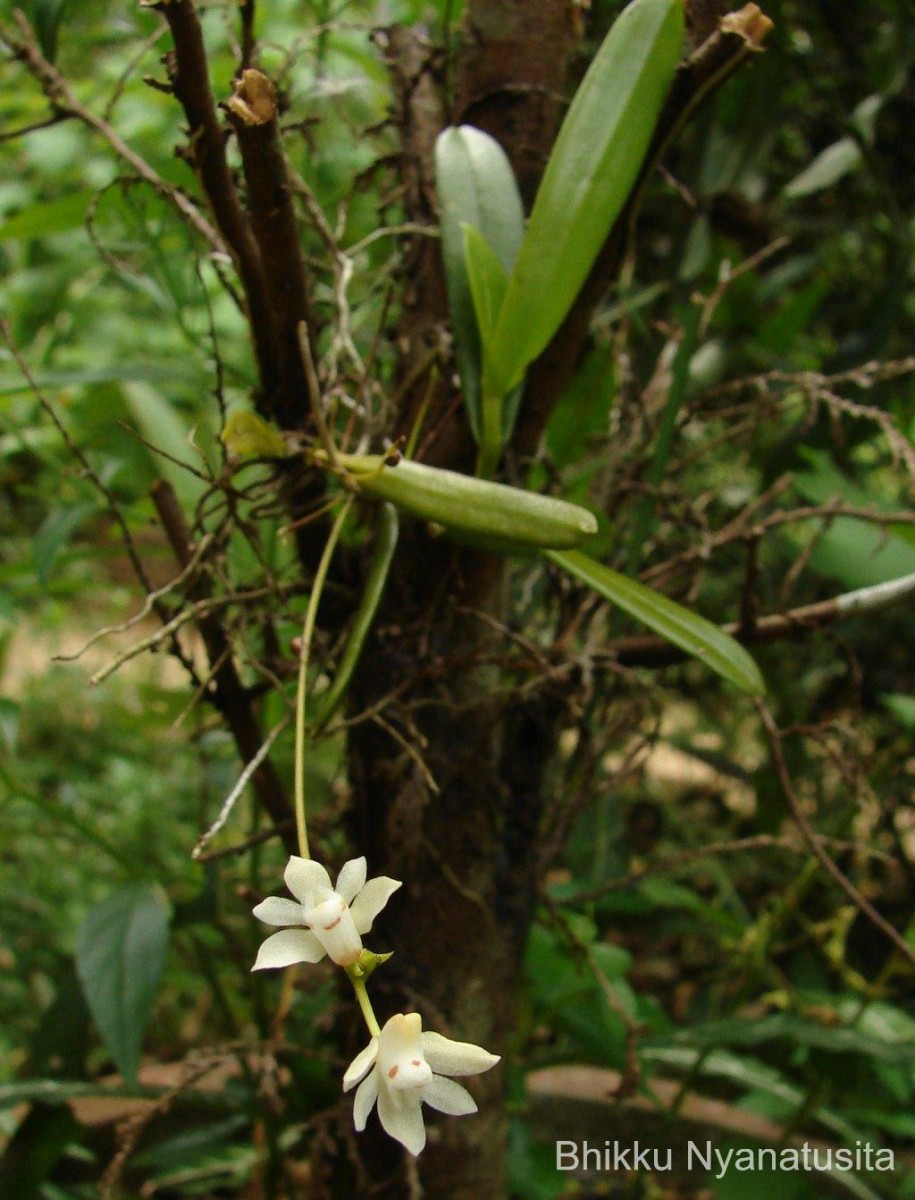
{"x":692,"y":633}
{"x":487,"y":278}
{"x":591,"y":171}
{"x":476,"y":187}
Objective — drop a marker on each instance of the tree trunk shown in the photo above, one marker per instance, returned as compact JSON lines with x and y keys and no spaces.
{"x":456,"y":817}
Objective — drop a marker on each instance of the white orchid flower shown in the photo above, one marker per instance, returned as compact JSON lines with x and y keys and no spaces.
{"x":333,"y":918}
{"x":403,"y":1068}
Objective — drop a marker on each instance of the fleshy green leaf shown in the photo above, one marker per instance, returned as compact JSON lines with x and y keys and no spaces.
{"x":476,"y":187}
{"x":487,"y":287}
{"x":590,"y":173}
{"x":120,"y":956}
{"x":487,"y":278}
{"x":692,"y":633}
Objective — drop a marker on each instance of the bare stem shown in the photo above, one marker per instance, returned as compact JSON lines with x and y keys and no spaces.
{"x":814,"y":842}
{"x":308,"y":629}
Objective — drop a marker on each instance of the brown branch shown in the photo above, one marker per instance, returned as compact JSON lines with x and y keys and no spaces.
{"x":228,"y":696}
{"x":820,"y":389}
{"x":253,"y":112}
{"x":10,"y":135}
{"x":747,"y":527}
{"x":248,"y":843}
{"x":815,"y":843}
{"x":189,"y":75}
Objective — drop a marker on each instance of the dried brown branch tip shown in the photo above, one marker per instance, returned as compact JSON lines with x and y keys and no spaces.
{"x":254,"y":99}
{"x":749,"y":23}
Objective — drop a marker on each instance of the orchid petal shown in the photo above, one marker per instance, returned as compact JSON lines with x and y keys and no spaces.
{"x":371,"y":900}
{"x":448,"y":1097}
{"x":351,"y":879}
{"x":276,"y":910}
{"x":366,"y":1095}
{"x":362,"y":1063}
{"x":287,"y":947}
{"x":446,"y":1057}
{"x":402,"y":1119}
{"x":304,"y":875}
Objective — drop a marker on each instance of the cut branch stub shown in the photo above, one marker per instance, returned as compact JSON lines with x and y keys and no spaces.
{"x":254,"y":99}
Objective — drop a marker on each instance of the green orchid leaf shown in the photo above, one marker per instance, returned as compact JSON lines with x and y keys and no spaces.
{"x":120,"y":956}
{"x":487,"y":287}
{"x":692,"y":633}
{"x":487,"y":278}
{"x":593,"y":167}
{"x":476,"y":187}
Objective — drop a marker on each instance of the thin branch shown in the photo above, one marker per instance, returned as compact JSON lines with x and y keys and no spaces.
{"x":242,"y":782}
{"x":408,"y":228}
{"x":815,"y":843}
{"x":256,"y":839}
{"x":200,"y":609}
{"x":314,"y":394}
{"x":124,"y":78}
{"x":148,"y":604}
{"x":229,"y":695}
{"x":821,"y":389}
{"x":342,"y":264}
{"x":411,"y":750}
{"x":747,"y":527}
{"x":10,"y":135}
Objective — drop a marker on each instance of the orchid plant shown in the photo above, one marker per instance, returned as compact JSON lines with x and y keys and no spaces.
{"x":403,"y":1066}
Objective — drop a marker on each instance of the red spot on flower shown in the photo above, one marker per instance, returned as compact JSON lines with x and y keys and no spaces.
{"x":393,"y":1071}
